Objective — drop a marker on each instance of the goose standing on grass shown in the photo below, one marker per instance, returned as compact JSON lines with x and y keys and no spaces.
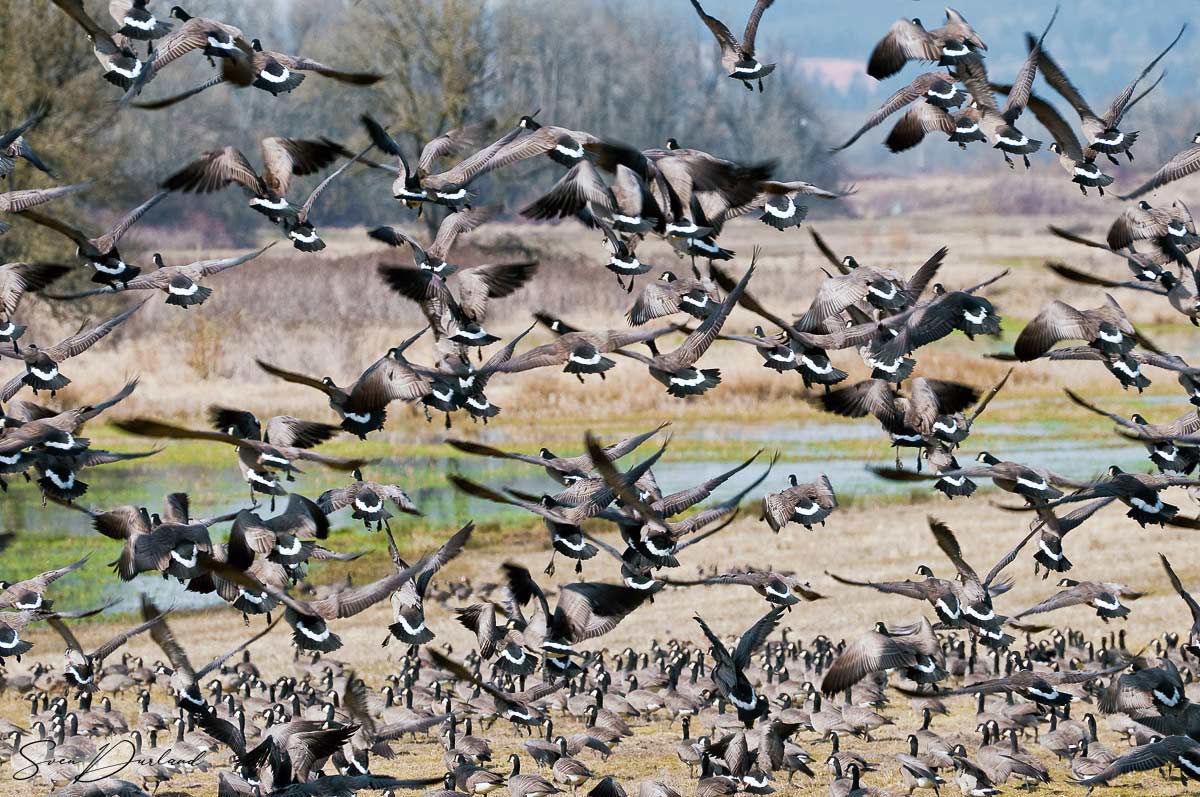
{"x":1103,"y":133}
{"x":41,"y":365}
{"x":181,"y":284}
{"x":22,"y":201}
{"x":950,"y":45}
{"x":738,"y":57}
{"x":729,"y":669}
{"x":362,"y":404}
{"x":101,"y":252}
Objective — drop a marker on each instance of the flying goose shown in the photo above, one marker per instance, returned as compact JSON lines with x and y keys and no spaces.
{"x":166,"y":545}
{"x":806,"y":504}
{"x":362,"y":405}
{"x":975,"y":595}
{"x":1167,"y":457}
{"x":13,"y":145}
{"x":564,"y":470}
{"x":1103,"y":133}
{"x":1149,"y":689}
{"x":516,"y":707}
{"x":674,"y":174}
{"x":181,"y":284}
{"x":184,"y":680}
{"x":52,"y":430}
{"x":81,"y":667}
{"x":22,"y":201}
{"x":1172,"y":230}
{"x":16,"y":279}
{"x":58,"y":471}
{"x":914,"y":648}
{"x":884,"y":290}
{"x":1075,"y":160}
{"x":258,"y":460}
{"x":101,"y":252}
{"x":449,"y":187}
{"x":281,"y":158}
{"x":585,"y":610}
{"x":560,"y":144}
{"x":1181,"y":164}
{"x":434,"y":257}
{"x":779,"y":589}
{"x":670,"y":294}
{"x":368,"y":500}
{"x":28,"y":594}
{"x":1188,"y":600}
{"x":1106,"y":328}
{"x":1040,"y":686}
{"x":408,"y":602}
{"x":676,"y":369}
{"x":458,"y":318}
{"x":41,"y":364}
{"x":581,"y":352}
{"x":310,"y":619}
{"x":407,"y":185}
{"x":907,"y":40}
{"x":909,"y":419}
{"x":738,"y":57}
{"x":1182,"y":752}
{"x":136,"y":20}
{"x":627,"y":206}
{"x":938,"y":91}
{"x":729,"y":669}
{"x":941,"y":594}
{"x":1103,"y":596}
{"x":121,"y":65}
{"x":999,"y":125}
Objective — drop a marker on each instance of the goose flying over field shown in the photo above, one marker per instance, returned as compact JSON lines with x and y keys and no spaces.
{"x":120,"y":63}
{"x":1103,"y":596}
{"x":181,"y":284}
{"x":22,"y":201}
{"x":934,"y":89}
{"x":729,"y":669}
{"x":952,"y":44}
{"x":738,"y":57}
{"x":42,"y":364}
{"x":101,"y":252}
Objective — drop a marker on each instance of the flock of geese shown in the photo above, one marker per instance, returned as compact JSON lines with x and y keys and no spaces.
{"x":764,"y":707}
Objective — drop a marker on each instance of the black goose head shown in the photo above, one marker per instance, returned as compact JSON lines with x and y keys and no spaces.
{"x":158,"y":260}
{"x":256,"y":45}
{"x":986,"y":458}
{"x":183,"y":16}
{"x":357,"y":474}
{"x":672,"y":143}
{"x":668,"y":276}
{"x":924,"y":570}
{"x":546,"y":453}
{"x":1067,"y":582}
{"x":849,"y":262}
{"x":792,"y":480}
{"x":528,"y":122}
{"x":1114,"y":470}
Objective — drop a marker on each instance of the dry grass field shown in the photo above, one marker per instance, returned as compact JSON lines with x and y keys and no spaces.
{"x":331,"y":315}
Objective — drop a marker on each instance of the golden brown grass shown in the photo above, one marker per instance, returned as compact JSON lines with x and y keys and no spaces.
{"x":867,"y":542}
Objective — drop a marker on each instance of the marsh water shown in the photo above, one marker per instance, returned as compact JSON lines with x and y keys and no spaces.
{"x":52,"y":535}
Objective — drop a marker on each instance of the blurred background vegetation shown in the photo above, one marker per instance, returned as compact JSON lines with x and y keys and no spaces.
{"x":626,"y":70}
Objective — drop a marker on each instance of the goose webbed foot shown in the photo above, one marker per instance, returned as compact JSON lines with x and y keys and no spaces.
{"x":1026,"y":159}
{"x":272,"y":503}
{"x":578,"y":565}
{"x":1009,"y":161}
{"x":1100,"y":188}
{"x":760,"y":86}
{"x":447,"y":420}
{"x":1113,"y":160}
{"x":1083,"y":189}
{"x":748,"y":86}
